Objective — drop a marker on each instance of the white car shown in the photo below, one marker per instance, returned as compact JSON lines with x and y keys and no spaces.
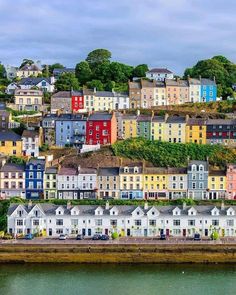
{"x":62,"y":237}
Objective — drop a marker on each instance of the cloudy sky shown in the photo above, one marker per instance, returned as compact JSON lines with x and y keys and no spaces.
{"x":168,"y":33}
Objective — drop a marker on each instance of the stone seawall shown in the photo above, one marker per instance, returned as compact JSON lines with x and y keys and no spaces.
{"x":67,"y":253}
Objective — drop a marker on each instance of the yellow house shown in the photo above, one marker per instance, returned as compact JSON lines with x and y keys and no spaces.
{"x":28,"y":99}
{"x":174,"y":129}
{"x":129,"y":126}
{"x":10,"y":143}
{"x":155,"y":183}
{"x":103,"y":101}
{"x":131,"y":182}
{"x":29,"y":71}
{"x":196,"y":131}
{"x":157,"y":128}
{"x":216,"y":184}
{"x":50,"y":183}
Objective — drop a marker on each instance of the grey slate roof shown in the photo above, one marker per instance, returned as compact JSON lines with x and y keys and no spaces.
{"x":33,"y":81}
{"x":100,"y":117}
{"x":125,"y":210}
{"x":175,"y":119}
{"x":11,"y":167}
{"x":160,"y":70}
{"x":109,"y":171}
{"x":30,"y":134}
{"x":221,"y":122}
{"x":205,"y":81}
{"x":8,"y":135}
{"x":51,"y":170}
{"x":61,"y":94}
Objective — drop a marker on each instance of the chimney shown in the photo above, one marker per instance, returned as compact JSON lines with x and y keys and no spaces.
{"x":146,"y":205}
{"x":184,"y":205}
{"x":138,"y":113}
{"x":30,"y":204}
{"x":222,"y":207}
{"x":214,"y":79}
{"x":200,"y":78}
{"x":166,"y":116}
{"x":79,"y":168}
{"x":68,"y":205}
{"x":107,"y":205}
{"x":152,"y":114}
{"x":94,"y":89}
{"x":121,"y":161}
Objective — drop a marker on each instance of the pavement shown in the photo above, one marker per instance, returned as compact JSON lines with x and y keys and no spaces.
{"x":120,"y":241}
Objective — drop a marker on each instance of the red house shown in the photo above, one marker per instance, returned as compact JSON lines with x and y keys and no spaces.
{"x":101,"y":129}
{"x":77,"y":101}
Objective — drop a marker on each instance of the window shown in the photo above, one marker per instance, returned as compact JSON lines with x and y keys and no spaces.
{"x":230,"y":222}
{"x":59,"y":221}
{"x":191,"y":222}
{"x":176,"y":222}
{"x":98,"y":222}
{"x":36,"y":222}
{"x":152,"y":222}
{"x":19,"y":222}
{"x":137,"y":222}
{"x":113,"y":222}
{"x":215,"y":222}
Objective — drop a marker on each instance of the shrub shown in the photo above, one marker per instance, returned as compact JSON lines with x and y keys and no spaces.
{"x":115,"y":235}
{"x":215,"y":236}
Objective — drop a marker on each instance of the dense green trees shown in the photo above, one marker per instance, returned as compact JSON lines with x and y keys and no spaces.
{"x":164,"y":154}
{"x":219,"y":67}
{"x":67,"y":81}
{"x":98,"y":69}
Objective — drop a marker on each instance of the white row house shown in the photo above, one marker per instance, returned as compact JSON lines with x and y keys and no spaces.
{"x":135,"y":221}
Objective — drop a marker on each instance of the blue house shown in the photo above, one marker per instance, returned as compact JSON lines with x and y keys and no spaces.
{"x":34,"y":173}
{"x":208,"y":90}
{"x":70,"y":130}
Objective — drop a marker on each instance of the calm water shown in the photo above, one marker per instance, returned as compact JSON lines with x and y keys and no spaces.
{"x":117,"y":279}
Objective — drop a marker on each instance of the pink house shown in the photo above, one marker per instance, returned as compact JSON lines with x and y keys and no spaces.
{"x":231,"y":181}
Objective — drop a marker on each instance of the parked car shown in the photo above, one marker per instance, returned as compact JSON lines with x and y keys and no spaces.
{"x":29,"y":237}
{"x":197,"y":237}
{"x":96,"y":237}
{"x":62,"y":237}
{"x":105,"y":237}
{"x":79,"y":237}
{"x":162,"y":237}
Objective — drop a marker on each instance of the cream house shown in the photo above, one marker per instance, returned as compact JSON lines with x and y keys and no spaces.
{"x":28,"y":100}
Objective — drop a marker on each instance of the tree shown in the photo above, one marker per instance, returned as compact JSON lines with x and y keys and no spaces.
{"x":120,"y":72}
{"x":115,"y":236}
{"x":140,"y":70}
{"x":55,"y":66}
{"x":67,"y":81}
{"x":98,"y":56}
{"x":2,"y":72}
{"x":95,"y":84}
{"x":83,"y":72}
{"x":219,"y":67}
{"x":26,"y":61}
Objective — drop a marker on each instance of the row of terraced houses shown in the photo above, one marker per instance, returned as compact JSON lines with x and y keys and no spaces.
{"x":38,"y":180}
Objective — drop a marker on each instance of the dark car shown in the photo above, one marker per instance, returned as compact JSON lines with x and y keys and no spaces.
{"x":104,"y":237}
{"x":163,"y":237}
{"x":29,"y":237}
{"x":79,"y":237}
{"x":197,"y":237}
{"x":96,"y":237}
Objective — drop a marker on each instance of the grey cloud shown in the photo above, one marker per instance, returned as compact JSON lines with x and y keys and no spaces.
{"x":172,"y":33}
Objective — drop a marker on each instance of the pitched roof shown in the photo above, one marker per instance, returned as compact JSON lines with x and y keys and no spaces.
{"x":109,"y":171}
{"x":160,"y":70}
{"x":196,"y":121}
{"x":67,"y":171}
{"x":33,"y":81}
{"x":63,"y":94}
{"x":8,"y":135}
{"x":28,"y":67}
{"x":100,"y":117}
{"x":205,"y":81}
{"x":221,"y":122}
{"x":12,"y":167}
{"x":175,"y":119}
{"x":30,"y":134}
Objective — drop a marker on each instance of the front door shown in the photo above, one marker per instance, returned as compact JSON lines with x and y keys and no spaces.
{"x":145,"y":232}
{"x":84,"y":232}
{"x":184,"y":232}
{"x":106,"y":231}
{"x":128,"y":232}
{"x":50,"y":232}
{"x":89,"y":232}
{"x":206,"y":232}
{"x":167,"y":232}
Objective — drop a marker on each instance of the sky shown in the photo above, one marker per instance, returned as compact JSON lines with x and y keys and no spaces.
{"x":162,"y":33}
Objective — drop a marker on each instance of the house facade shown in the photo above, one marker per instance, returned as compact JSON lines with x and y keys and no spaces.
{"x":101,"y":128}
{"x":159,"y":74}
{"x":34,"y":177}
{"x":50,"y":183}
{"x":198,"y":172}
{"x":208,"y":90}
{"x":12,"y":181}
{"x":137,"y":221}
{"x":77,"y":101}
{"x":48,"y":125}
{"x":31,"y":141}
{"x":61,"y":101}
{"x":134,"y":95}
{"x":196,"y":130}
{"x":108,"y":182}
{"x":44,"y":84}
{"x":231,"y":181}
{"x":10,"y":143}
{"x":28,"y":100}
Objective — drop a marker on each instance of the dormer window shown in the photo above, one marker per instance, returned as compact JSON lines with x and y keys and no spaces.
{"x":194,"y":168}
{"x":138,"y":213}
{"x":153,"y":213}
{"x":126,"y":169}
{"x":201,"y":168}
{"x":135,"y":169}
